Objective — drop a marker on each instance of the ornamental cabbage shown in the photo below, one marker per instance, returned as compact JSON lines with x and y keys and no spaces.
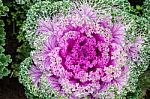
{"x":82,"y":51}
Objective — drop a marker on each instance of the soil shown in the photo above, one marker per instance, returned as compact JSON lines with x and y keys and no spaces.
{"x":147,"y":94}
{"x":136,"y":2}
{"x":10,"y":88}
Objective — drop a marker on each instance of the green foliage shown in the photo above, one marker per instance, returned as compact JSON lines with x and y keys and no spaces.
{"x":146,"y":9}
{"x":16,"y":16}
{"x":3,"y":9}
{"x":23,"y":52}
{"x":144,"y":80}
{"x":142,"y":27}
{"x":4,"y":59}
{"x":137,"y":95}
{"x":28,"y":2}
{"x":138,"y":7}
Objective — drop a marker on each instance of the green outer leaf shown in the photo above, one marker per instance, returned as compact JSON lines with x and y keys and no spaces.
{"x":37,"y":11}
{"x":137,"y":95}
{"x":146,"y":9}
{"x":137,"y":26}
{"x":32,"y":92}
{"x":30,"y":2}
{"x":22,"y":2}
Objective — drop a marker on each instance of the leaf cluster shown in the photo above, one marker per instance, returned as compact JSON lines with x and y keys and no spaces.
{"x":4,"y":59}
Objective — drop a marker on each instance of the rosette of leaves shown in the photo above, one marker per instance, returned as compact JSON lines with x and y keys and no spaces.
{"x":76,"y":45}
{"x":4,"y":59}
